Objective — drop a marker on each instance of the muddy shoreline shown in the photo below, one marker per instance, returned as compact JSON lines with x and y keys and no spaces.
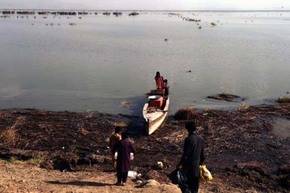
{"x":243,"y":147}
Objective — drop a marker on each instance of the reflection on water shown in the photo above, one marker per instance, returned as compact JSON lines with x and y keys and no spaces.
{"x":102,"y":61}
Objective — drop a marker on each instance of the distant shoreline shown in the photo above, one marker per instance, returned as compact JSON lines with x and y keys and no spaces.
{"x":125,"y":10}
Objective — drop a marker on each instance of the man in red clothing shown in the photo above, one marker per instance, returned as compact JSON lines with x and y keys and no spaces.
{"x":159,"y":81}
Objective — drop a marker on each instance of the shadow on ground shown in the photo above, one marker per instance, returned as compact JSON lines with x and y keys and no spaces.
{"x":79,"y":183}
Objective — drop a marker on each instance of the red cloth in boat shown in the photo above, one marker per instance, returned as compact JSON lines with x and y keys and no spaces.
{"x":156,"y":103}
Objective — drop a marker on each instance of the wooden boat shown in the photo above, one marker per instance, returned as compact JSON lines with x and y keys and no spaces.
{"x":155,"y":116}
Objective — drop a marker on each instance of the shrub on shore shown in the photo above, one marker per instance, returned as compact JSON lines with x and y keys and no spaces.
{"x":9,"y":136}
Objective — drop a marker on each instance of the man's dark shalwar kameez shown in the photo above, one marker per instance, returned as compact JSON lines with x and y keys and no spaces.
{"x":124,"y":148}
{"x":193,"y":156}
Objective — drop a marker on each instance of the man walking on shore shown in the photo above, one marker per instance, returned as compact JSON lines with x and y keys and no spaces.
{"x":114,"y":139}
{"x":192,"y":158}
{"x":124,"y":148}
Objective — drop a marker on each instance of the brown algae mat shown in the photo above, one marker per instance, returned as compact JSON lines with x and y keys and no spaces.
{"x":245,"y":148}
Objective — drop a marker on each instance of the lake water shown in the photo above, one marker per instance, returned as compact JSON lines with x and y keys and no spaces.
{"x":99,"y":62}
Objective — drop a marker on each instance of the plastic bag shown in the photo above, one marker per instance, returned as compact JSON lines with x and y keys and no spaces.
{"x":205,"y":173}
{"x":131,"y":156}
{"x":177,"y":177}
{"x":173,"y":176}
{"x":181,"y":178}
{"x":132,"y":174}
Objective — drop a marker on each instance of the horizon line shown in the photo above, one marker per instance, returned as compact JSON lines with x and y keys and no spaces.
{"x":154,"y":10}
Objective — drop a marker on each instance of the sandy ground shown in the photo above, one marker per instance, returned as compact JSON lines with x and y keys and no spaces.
{"x":26,"y":177}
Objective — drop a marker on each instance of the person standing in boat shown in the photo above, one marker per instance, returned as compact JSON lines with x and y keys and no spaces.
{"x":114,"y":139}
{"x":159,"y":81}
{"x":192,"y":158}
{"x":166,"y":88}
{"x":124,"y":149}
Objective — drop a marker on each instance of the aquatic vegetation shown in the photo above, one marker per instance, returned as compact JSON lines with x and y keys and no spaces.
{"x":133,"y":14}
{"x":284,"y":99}
{"x":226,"y":97}
{"x":107,"y":13}
{"x":116,"y":13}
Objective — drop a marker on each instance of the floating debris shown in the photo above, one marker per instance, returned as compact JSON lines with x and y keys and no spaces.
{"x":25,"y":12}
{"x":191,"y":19}
{"x":117,"y":14}
{"x":43,"y":13}
{"x":107,"y":13}
{"x":83,"y":13}
{"x":133,"y":14}
{"x":194,"y":20}
{"x":8,"y":12}
{"x":66,"y":13}
{"x":176,"y":14}
{"x":226,"y":97}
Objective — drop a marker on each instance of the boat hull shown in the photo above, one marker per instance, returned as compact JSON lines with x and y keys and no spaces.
{"x":154,"y":120}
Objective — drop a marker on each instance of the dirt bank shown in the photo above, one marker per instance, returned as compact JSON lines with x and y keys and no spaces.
{"x":26,"y":177}
{"x":243,"y":149}
{"x":23,"y":177}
